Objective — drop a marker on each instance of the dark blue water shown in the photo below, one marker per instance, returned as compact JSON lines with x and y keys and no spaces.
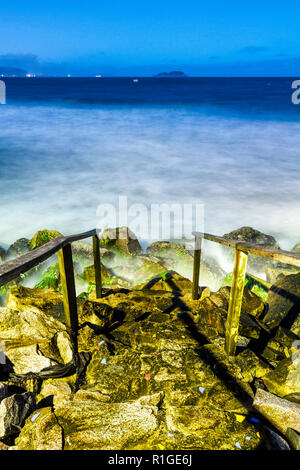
{"x":70,"y":144}
{"x":261,"y":98}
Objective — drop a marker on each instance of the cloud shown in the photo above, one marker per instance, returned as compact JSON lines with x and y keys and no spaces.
{"x":20,"y":60}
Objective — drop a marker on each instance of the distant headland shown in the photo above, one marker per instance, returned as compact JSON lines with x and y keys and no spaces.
{"x":173,"y":74}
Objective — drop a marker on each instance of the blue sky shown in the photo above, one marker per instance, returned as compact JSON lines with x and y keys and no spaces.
{"x":216,"y":37}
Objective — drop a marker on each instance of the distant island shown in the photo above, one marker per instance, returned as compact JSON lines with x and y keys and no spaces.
{"x":173,"y":74}
{"x":12,"y":72}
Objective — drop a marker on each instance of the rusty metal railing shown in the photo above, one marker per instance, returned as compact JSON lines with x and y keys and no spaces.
{"x":242,"y":250}
{"x":61,"y":245}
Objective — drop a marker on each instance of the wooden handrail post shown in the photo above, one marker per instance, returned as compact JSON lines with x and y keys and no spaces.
{"x":97,"y":266}
{"x":196,"y":268}
{"x":235,"y":302}
{"x":65,"y":262}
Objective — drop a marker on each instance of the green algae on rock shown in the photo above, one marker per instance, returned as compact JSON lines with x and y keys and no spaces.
{"x":41,"y":237}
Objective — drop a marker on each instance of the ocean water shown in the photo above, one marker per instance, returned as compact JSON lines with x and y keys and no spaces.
{"x":68,"y":145}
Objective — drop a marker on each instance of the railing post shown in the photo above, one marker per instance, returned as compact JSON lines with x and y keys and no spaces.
{"x":97,"y":266}
{"x":65,"y":262}
{"x":235,"y":302}
{"x":196,"y":269}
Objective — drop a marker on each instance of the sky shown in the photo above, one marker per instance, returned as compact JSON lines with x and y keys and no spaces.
{"x":125,"y":37}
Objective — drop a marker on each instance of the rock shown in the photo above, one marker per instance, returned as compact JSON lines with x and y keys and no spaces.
{"x":41,"y":432}
{"x":13,"y":412}
{"x":275,"y":441}
{"x":285,"y":378}
{"x":22,"y":298}
{"x":283,"y":414}
{"x":83,"y":252}
{"x":250,"y":235}
{"x":19,"y":329}
{"x":251,"y":304}
{"x":294,"y":397}
{"x":274,"y":352}
{"x":213,"y":310}
{"x":41,"y":237}
{"x":107,"y":426}
{"x":18,"y":248}
{"x":176,"y":257}
{"x":23,"y":328}
{"x":4,"y":392}
{"x":168,"y":251}
{"x":2,"y":254}
{"x":58,"y":389}
{"x":213,"y":431}
{"x":250,"y":284}
{"x":98,"y":314}
{"x":169,"y":282}
{"x":138,"y":269}
{"x":121,"y":240}
{"x":294,"y":438}
{"x":28,"y":359}
{"x":251,"y":366}
{"x":287,"y":338}
{"x":278,"y":271}
{"x":256,"y":264}
{"x":89,"y":274}
{"x":284,"y":303}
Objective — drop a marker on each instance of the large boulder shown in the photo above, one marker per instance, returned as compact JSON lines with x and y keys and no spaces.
{"x":121,"y":240}
{"x":284,"y":304}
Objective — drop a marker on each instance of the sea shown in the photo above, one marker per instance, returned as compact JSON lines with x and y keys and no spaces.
{"x":68,"y":145}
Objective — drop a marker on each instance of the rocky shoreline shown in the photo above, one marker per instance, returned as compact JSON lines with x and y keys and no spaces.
{"x":157,"y":376}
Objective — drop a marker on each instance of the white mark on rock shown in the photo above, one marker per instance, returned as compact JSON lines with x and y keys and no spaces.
{"x":35,"y":416}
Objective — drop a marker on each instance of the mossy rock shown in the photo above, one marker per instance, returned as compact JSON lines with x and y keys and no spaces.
{"x":43,"y":236}
{"x":249,"y":283}
{"x":121,"y":240}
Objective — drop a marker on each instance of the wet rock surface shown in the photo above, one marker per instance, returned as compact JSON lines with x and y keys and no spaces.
{"x":157,"y":375}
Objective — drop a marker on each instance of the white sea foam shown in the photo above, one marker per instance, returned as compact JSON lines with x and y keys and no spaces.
{"x":57,"y":164}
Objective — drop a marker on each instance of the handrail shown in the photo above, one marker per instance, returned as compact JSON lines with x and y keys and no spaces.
{"x":11,"y":269}
{"x":61,"y":245}
{"x":283,"y":256}
{"x":242,"y":250}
